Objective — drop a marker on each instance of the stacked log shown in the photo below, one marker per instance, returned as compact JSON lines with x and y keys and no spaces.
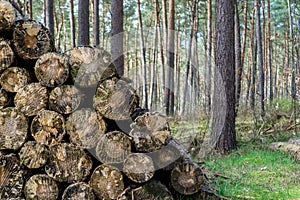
{"x":54,"y":145}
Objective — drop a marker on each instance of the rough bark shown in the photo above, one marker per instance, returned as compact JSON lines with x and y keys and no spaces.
{"x":260,"y":61}
{"x":223,"y":135}
{"x":50,"y":16}
{"x":83,"y":23}
{"x":72,"y":23}
{"x":238,"y":57}
{"x":117,"y":35}
{"x":96,"y":27}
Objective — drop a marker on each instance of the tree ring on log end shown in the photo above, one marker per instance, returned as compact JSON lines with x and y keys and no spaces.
{"x":107,"y":182}
{"x":31,"y":99}
{"x":41,"y":186}
{"x":85,"y":128}
{"x":11,"y":177}
{"x":115,"y":99}
{"x":13,"y":128}
{"x":14,"y":78}
{"x":34,"y":154}
{"x":113,"y":147}
{"x":78,"y":191}
{"x":68,"y":163}
{"x":48,"y":127}
{"x":187,"y":178}
{"x":138,"y":167}
{"x":65,"y":99}
{"x":31,"y":39}
{"x":51,"y":69}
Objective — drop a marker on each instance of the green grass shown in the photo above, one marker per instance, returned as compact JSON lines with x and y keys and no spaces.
{"x":256,"y":173}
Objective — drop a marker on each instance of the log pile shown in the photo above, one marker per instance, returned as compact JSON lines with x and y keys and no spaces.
{"x":59,"y":142}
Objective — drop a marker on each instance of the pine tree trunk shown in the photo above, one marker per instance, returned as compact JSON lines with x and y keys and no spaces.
{"x":96,"y":34}
{"x":260,"y":61}
{"x":117,"y":35}
{"x":83,"y":23}
{"x":50,"y":16}
{"x":238,"y":59}
{"x":72,"y":24}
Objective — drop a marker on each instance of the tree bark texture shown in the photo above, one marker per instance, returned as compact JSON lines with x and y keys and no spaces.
{"x":83,"y":23}
{"x":223,"y":135}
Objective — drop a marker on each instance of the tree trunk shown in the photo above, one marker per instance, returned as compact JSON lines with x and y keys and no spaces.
{"x":260,"y":61}
{"x":117,"y":35}
{"x":72,"y":24}
{"x":96,"y":34}
{"x":271,"y":95}
{"x":143,"y":56}
{"x":169,"y":95}
{"x":83,"y":23}
{"x":209,"y":56}
{"x":223,"y":135}
{"x":50,"y":16}
{"x":238,"y":59}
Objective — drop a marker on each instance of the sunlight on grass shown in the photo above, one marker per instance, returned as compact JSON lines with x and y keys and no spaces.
{"x":256,"y":174}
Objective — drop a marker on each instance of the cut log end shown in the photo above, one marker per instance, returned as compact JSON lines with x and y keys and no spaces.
{"x":34,"y":155}
{"x":150,"y":132}
{"x":7,"y":15}
{"x":65,"y":99}
{"x":90,"y":65}
{"x":68,"y":163}
{"x":85,"y":128}
{"x":6,"y":54}
{"x":31,"y":39}
{"x":138,"y":167}
{"x":152,"y":190}
{"x":78,"y":191}
{"x":113,"y":147}
{"x":115,"y":99}
{"x":41,"y":186}
{"x":107,"y":182}
{"x":187,"y":178}
{"x":13,"y":129}
{"x":14,"y":78}
{"x":11,"y":177}
{"x":48,"y":127}
{"x":31,"y":99}
{"x":4,"y":99}
{"x":51,"y":69}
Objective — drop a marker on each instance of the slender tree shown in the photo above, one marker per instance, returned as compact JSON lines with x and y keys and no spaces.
{"x":50,"y":16}
{"x":72,"y":23}
{"x":223,"y":135}
{"x":116,"y":43}
{"x":209,"y":56}
{"x":143,"y":55}
{"x":260,"y":61}
{"x":271,"y":93}
{"x":238,"y":59}
{"x":96,"y":33}
{"x":169,"y":95}
{"x":83,"y":23}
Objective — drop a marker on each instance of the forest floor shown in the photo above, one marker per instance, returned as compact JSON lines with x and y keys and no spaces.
{"x":253,"y":170}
